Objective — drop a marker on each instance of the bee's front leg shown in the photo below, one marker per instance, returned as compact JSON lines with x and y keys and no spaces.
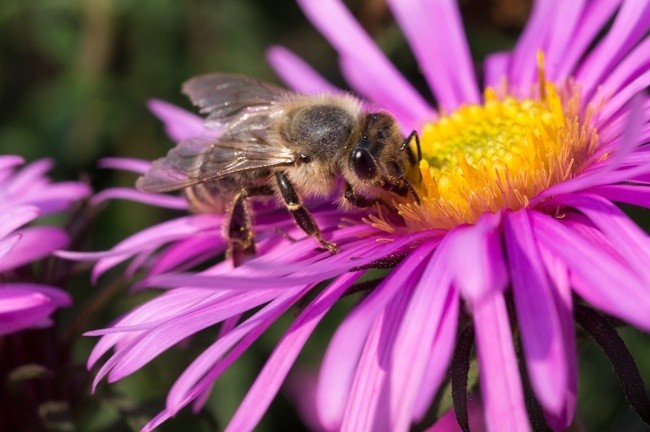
{"x":360,"y":201}
{"x":300,"y":214}
{"x":240,"y":226}
{"x":401,"y":185}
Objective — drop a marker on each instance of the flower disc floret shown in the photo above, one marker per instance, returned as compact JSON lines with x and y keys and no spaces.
{"x":499,"y":155}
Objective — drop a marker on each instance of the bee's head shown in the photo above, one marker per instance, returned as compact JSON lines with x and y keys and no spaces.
{"x":380,"y":157}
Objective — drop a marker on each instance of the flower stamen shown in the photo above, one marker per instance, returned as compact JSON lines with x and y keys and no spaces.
{"x":499,"y":155}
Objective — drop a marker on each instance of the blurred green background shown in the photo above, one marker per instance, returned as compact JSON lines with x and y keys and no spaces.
{"x":74,"y":79}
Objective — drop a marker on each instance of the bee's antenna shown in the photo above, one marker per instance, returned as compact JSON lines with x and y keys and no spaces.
{"x":408,"y":139}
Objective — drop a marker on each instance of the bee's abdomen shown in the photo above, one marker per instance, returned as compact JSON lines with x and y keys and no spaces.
{"x":209,"y":198}
{"x":217,"y":196}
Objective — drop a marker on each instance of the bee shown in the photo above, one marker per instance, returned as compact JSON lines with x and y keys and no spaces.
{"x":274,"y":142}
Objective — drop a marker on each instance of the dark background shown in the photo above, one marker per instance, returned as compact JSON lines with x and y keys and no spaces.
{"x":74,"y":79}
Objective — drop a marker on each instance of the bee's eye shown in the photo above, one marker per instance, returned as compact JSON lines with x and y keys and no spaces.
{"x":363,"y":164}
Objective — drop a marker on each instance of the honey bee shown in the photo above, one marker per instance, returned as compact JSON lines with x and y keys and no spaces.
{"x":273,"y":142}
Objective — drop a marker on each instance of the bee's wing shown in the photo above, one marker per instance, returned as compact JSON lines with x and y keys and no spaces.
{"x":230,"y":99}
{"x":244,"y":108}
{"x":198,"y":160}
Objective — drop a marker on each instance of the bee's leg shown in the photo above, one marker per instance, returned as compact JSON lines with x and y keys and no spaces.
{"x":411,"y":189}
{"x":300,"y":214}
{"x":402,"y":186}
{"x":240,"y":231}
{"x":359,"y":200}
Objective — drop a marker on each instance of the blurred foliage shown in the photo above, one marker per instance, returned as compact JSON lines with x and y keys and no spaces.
{"x":75,"y":76}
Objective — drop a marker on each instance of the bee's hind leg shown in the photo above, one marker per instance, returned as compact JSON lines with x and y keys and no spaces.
{"x":300,"y":214}
{"x":240,"y":226}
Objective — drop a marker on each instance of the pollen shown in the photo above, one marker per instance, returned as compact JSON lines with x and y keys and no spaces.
{"x":499,"y":155}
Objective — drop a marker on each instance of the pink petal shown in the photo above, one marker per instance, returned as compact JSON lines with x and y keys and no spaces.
{"x":593,"y":19}
{"x":7,"y":243}
{"x":523,"y":67}
{"x":60,"y":196}
{"x":55,"y":197}
{"x":336,"y":23}
{"x":624,"y":95}
{"x":57,"y":296}
{"x":301,"y":388}
{"x":358,"y":253}
{"x":501,"y":389}
{"x":147,"y":346}
{"x":179,"y":123}
{"x":630,"y":24}
{"x":15,"y":217}
{"x":606,"y":173}
{"x":428,"y":306}
{"x":367,"y":406}
{"x":137,"y":263}
{"x":296,"y":73}
{"x":630,"y":194}
{"x":29,"y":176}
{"x":448,"y":422}
{"x":356,"y":240}
{"x":625,"y":236}
{"x":344,"y":350}
{"x":10,"y":161}
{"x":158,"y":200}
{"x":561,"y":31}
{"x":28,"y":305}
{"x":262,"y":320}
{"x":562,"y":295}
{"x":595,"y":271}
{"x":20,"y":310}
{"x":137,"y":166}
{"x":201,"y":399}
{"x":631,"y":67}
{"x":496,"y":68}
{"x":158,"y":310}
{"x":35,"y":243}
{"x":276,"y":368}
{"x":211,"y":363}
{"x":184,"y":253}
{"x":480,"y":245}
{"x":157,"y":421}
{"x":441,"y":49}
{"x":537,"y":315}
{"x":611,"y":130}
{"x":435,"y":373}
{"x":156,"y":236}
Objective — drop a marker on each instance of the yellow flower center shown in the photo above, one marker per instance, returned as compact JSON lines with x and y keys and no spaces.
{"x":498,"y":155}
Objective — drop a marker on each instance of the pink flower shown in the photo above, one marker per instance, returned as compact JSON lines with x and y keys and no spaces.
{"x":449,"y":423}
{"x":520,"y":176}
{"x":26,"y":195}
